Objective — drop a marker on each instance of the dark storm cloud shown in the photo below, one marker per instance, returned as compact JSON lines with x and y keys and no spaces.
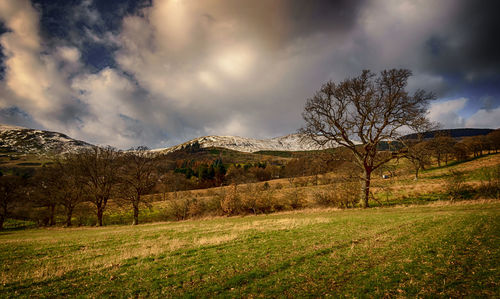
{"x":308,"y":17}
{"x":469,"y":46}
{"x":3,"y":30}
{"x":17,"y":117}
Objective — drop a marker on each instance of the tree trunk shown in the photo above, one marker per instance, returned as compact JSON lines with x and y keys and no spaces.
{"x":2,"y":219}
{"x":69,"y":215}
{"x":52,"y":209}
{"x":136,"y":213}
{"x":99,"y":215}
{"x":366,"y":188}
{"x":416,"y":174}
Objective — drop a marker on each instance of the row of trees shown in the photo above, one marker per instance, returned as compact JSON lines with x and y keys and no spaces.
{"x":443,"y":148}
{"x":91,"y":178}
{"x":94,"y":175}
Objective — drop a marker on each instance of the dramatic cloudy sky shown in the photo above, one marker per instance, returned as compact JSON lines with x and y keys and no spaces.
{"x":156,"y":73}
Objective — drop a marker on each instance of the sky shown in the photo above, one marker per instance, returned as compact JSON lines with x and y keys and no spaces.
{"x":158,"y":73}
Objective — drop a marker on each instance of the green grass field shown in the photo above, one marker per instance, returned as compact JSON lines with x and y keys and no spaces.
{"x":442,"y":249}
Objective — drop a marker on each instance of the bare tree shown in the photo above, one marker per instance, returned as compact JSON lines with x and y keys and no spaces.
{"x":441,"y":146}
{"x":49,"y":184}
{"x":10,"y":194}
{"x":360,"y":112}
{"x":418,"y":153}
{"x":494,"y":139}
{"x":138,"y":177}
{"x":474,"y":145}
{"x":73,"y":183}
{"x":99,"y":169}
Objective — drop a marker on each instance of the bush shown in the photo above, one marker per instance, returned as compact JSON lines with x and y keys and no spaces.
{"x":295,"y":198}
{"x":256,"y":201}
{"x":455,"y":185}
{"x":230,"y":201}
{"x":178,"y":208}
{"x":341,"y":196}
{"x":490,"y":182}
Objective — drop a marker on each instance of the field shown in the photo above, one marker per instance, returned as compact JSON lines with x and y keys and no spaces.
{"x":440,"y":249}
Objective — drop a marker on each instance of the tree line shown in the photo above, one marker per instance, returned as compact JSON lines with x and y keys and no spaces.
{"x":88,"y":179}
{"x":443,"y":148}
{"x":92,"y":177}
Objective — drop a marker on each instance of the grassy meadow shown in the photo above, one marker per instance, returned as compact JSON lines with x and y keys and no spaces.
{"x":440,"y":249}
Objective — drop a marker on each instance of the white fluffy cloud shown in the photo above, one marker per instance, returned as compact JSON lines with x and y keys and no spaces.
{"x":447,"y":113}
{"x":33,"y":78}
{"x":485,"y":119}
{"x":53,"y":86}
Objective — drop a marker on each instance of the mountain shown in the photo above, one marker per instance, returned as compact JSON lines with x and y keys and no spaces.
{"x":292,"y":142}
{"x":31,"y":141}
{"x":454,"y":133}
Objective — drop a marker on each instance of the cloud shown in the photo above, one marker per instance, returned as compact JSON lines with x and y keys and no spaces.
{"x":484,"y":118}
{"x":242,"y":69}
{"x":447,"y":113}
{"x":50,"y":86}
{"x":33,"y":78}
{"x":17,"y":117}
{"x":160,"y":72}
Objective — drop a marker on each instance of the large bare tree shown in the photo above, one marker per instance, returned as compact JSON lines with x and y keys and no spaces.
{"x":358,"y":113}
{"x":73,"y":183}
{"x":11,"y":193}
{"x":99,"y":169}
{"x":49,"y":183}
{"x":138,"y":177}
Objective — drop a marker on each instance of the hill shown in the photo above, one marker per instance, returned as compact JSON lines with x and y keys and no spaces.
{"x":21,"y":140}
{"x":454,"y":133}
{"x":292,"y":142}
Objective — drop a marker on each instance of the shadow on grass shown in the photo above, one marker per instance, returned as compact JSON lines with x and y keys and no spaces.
{"x":418,"y":200}
{"x":454,"y":163}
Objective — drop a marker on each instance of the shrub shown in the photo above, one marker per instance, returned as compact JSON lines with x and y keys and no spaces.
{"x":340,"y":196}
{"x":178,"y":208}
{"x":249,"y":200}
{"x":230,"y":201}
{"x":455,"y":185}
{"x":295,"y":198}
{"x":490,"y":182}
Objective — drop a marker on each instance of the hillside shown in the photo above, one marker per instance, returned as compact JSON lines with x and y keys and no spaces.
{"x":454,"y":133}
{"x":21,"y":140}
{"x":292,"y":142}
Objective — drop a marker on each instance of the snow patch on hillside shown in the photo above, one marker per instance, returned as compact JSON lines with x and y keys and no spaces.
{"x":292,"y":142}
{"x":30,"y":141}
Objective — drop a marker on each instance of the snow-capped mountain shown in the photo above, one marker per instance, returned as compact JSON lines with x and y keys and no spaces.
{"x":292,"y":142}
{"x":24,"y":140}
